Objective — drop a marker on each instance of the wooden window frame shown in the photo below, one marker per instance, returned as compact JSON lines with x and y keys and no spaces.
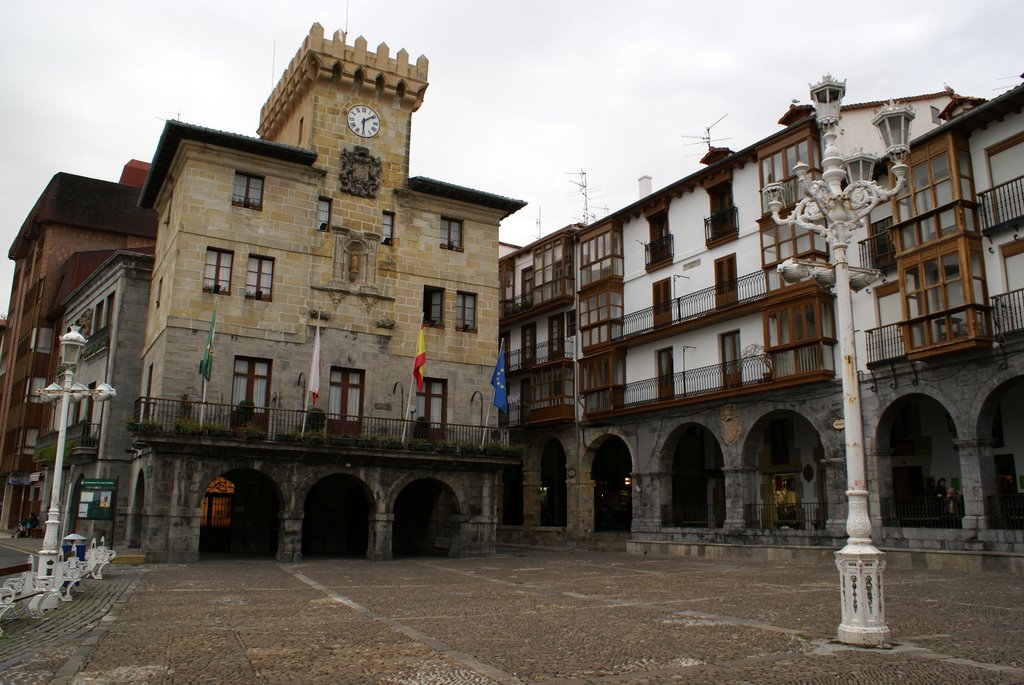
{"x":247,"y":191}
{"x":260,"y":268}
{"x":430,"y":306}
{"x":323,"y":214}
{"x":452,"y":234}
{"x":465,"y":311}
{"x":218,"y":284}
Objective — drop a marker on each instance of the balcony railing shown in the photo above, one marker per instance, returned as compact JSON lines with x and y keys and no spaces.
{"x":80,"y":438}
{"x":798,"y":516}
{"x":156,"y":416}
{"x":1008,"y":312}
{"x":1006,"y":512}
{"x":923,"y":512}
{"x":721,"y":224}
{"x":748,"y":288}
{"x":1002,"y":206}
{"x":660,"y":250}
{"x":541,"y":353}
{"x":746,"y":371}
{"x":518,"y":304}
{"x":885,"y":344}
{"x":878,"y":252}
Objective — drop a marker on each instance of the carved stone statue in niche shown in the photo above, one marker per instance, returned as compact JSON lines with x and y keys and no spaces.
{"x":360,"y":172}
{"x":354,"y":261}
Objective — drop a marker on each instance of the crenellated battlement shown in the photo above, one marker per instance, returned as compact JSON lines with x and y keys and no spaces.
{"x":352,"y":67}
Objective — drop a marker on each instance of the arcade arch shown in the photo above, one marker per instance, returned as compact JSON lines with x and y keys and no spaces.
{"x":698,"y":479}
{"x":424,"y":523}
{"x":613,"y":486}
{"x":239,"y":514}
{"x":336,"y":518}
{"x":790,"y":487}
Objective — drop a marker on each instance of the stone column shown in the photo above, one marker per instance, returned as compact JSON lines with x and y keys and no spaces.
{"x":835,"y":492}
{"x":531,"y":497}
{"x":646,"y":502}
{"x":378,"y":547}
{"x":289,"y":549}
{"x":737,"y":488}
{"x":977,"y":479}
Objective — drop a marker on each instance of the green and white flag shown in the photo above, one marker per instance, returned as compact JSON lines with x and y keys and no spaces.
{"x":206,"y":366}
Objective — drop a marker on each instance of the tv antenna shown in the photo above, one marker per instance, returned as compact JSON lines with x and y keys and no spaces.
{"x":582,"y":185}
{"x":706,"y":138}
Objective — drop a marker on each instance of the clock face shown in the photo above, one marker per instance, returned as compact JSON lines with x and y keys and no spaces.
{"x":363,"y":121}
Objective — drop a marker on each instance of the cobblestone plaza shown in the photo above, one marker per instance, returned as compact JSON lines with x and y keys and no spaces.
{"x":517,"y":617}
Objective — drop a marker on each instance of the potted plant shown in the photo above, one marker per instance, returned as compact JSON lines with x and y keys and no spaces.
{"x":244,"y":412}
{"x":315,"y":420}
{"x":185,"y":426}
{"x":251,"y":431}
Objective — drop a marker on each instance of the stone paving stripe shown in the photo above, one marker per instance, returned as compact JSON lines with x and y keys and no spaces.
{"x":71,"y":667}
{"x":438,"y":646}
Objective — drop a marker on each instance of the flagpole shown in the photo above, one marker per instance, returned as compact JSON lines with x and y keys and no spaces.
{"x":483,"y":429}
{"x":311,"y":389}
{"x":206,"y":367}
{"x":408,"y":408}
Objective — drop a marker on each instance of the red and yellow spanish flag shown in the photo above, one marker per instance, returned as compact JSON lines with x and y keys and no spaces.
{"x":421,"y":359}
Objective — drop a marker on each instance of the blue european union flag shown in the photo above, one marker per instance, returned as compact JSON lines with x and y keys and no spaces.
{"x":498,"y":380}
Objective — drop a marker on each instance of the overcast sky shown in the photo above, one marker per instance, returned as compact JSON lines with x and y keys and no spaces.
{"x":523,"y":94}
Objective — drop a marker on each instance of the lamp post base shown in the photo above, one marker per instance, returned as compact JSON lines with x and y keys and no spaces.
{"x":863,"y":608}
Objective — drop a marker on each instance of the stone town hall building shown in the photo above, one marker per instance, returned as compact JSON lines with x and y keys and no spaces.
{"x":316,"y":225}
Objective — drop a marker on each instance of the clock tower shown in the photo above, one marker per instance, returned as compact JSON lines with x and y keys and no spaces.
{"x":354,"y":109}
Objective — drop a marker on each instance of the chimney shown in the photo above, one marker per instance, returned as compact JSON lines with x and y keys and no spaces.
{"x":645,"y":185}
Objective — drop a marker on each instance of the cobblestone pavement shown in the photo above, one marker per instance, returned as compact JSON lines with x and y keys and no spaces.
{"x":518,"y":617}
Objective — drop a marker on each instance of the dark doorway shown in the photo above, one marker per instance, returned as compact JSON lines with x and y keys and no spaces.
{"x":336,"y":520}
{"x":512,"y":509}
{"x":613,"y":486}
{"x":423,"y":520}
{"x":698,"y":482}
{"x":239,"y":515}
{"x":552,"y":483}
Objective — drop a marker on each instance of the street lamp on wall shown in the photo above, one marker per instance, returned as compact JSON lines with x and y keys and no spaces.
{"x":71,"y":344}
{"x":833,"y":207}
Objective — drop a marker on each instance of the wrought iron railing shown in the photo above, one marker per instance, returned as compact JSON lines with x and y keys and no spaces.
{"x":1008,"y":312}
{"x":518,"y":304}
{"x":878,"y":251}
{"x":155,"y":416}
{"x":659,"y":250}
{"x":748,"y":288}
{"x":885,"y":343}
{"x":693,"y":515}
{"x":703,"y":380}
{"x":1006,"y":512}
{"x":782,"y":516}
{"x":923,"y":512}
{"x":541,"y":353}
{"x":721,"y":224}
{"x":81,"y":434}
{"x":1002,"y":205}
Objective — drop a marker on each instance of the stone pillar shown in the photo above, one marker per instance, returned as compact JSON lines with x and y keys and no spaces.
{"x":737,"y":485}
{"x":646,"y":503}
{"x":531,"y":497}
{"x":289,"y":549}
{"x":977,"y":479}
{"x":572,"y":506}
{"x":835,"y":492}
{"x":378,"y":547}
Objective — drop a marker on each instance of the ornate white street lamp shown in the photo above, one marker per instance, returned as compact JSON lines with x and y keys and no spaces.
{"x":834,"y":207}
{"x":71,"y":344}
